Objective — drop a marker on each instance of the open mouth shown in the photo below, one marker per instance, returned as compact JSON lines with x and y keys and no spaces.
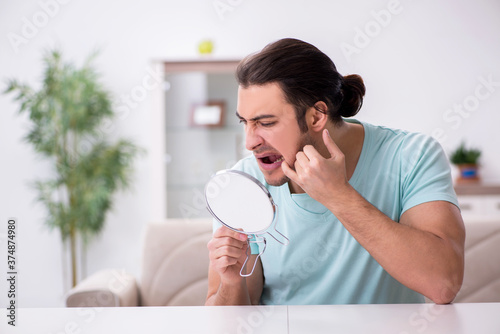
{"x":271,"y":161}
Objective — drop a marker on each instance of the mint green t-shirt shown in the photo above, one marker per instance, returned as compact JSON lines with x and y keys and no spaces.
{"x":324,"y":264}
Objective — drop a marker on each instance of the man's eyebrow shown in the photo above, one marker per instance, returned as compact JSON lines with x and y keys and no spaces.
{"x":255,"y":118}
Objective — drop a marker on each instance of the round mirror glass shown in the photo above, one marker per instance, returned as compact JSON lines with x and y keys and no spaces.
{"x":240,"y":202}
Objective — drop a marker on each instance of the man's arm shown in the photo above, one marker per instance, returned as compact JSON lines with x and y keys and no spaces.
{"x":227,"y":252}
{"x":425,"y":251}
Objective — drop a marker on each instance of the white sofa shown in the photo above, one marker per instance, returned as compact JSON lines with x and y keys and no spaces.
{"x":174,"y":270}
{"x":175,"y":265}
{"x":482,"y":263}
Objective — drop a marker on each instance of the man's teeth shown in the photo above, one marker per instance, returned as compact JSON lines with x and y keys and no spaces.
{"x":272,"y":159}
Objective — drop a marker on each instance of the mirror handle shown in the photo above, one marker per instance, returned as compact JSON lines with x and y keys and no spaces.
{"x":257,"y":240}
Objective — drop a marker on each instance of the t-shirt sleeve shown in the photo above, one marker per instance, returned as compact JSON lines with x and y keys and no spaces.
{"x":426,"y":173}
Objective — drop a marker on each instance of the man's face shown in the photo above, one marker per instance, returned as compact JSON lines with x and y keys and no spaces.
{"x":271,"y":128}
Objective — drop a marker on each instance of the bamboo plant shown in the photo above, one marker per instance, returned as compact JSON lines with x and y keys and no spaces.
{"x":66,"y":114}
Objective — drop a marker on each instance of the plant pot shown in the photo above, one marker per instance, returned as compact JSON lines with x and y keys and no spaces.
{"x":468,"y":173}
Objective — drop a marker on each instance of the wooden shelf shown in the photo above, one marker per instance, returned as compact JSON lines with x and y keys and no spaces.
{"x":206,"y":65}
{"x":477,"y":189}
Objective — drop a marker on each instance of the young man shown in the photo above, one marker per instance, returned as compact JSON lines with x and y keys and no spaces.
{"x":370,"y":212}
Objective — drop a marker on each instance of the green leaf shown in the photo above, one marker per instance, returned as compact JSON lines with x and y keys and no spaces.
{"x":463,"y":155}
{"x":66,"y":114}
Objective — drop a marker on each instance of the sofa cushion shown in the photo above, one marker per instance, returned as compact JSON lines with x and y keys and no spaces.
{"x":105,"y":288}
{"x":175,"y":262}
{"x":482,"y":263}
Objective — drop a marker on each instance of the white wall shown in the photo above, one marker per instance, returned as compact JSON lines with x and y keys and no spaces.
{"x":427,"y":59}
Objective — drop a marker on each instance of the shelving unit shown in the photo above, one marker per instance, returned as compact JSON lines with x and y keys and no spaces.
{"x":184,"y":157}
{"x":479,"y":202}
{"x":192,"y":154}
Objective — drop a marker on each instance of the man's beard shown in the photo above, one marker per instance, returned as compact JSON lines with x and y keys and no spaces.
{"x":305,"y":140}
{"x":279,"y":182}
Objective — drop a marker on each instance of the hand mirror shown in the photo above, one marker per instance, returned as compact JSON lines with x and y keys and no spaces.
{"x":241,"y":202}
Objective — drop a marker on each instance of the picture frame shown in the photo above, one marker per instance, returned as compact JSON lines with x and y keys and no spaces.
{"x":209,"y":114}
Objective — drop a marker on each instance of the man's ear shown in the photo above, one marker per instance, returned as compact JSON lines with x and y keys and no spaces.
{"x":317,"y":116}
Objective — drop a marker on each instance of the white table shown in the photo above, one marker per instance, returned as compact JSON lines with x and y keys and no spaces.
{"x":483,"y":318}
{"x":478,"y":318}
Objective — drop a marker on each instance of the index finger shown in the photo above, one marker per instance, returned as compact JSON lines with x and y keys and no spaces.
{"x":330,"y":144}
{"x":224,"y":231}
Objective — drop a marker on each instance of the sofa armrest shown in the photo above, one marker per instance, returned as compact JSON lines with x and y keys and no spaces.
{"x":105,"y":288}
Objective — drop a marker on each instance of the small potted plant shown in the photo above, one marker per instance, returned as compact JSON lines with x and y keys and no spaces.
{"x":467,"y":161}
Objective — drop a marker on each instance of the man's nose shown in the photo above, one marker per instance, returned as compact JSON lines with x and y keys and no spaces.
{"x":252,"y":139}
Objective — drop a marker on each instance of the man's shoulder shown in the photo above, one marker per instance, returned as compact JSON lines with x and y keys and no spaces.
{"x":404,"y":140}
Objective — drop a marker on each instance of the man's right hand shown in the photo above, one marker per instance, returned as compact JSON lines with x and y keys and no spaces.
{"x":227,"y":253}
